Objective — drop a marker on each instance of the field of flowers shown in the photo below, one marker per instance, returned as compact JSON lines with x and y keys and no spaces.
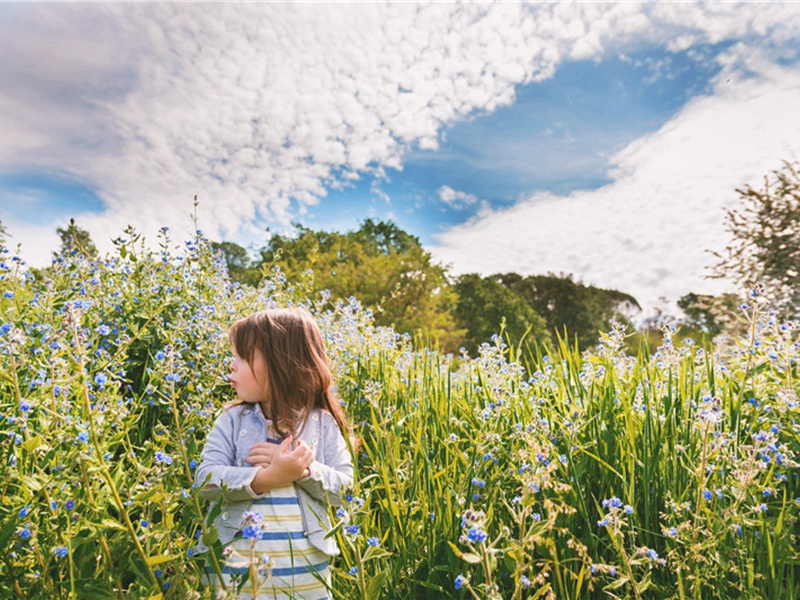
{"x":514,"y":474}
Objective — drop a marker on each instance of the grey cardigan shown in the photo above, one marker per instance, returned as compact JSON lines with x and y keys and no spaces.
{"x":226,"y":477}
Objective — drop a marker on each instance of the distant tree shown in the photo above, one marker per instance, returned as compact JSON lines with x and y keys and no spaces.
{"x":710,"y":316}
{"x":240,"y":266}
{"x":765,"y":245}
{"x":484,"y":303}
{"x":570,"y":307}
{"x":75,"y":239}
{"x":382,"y":266}
{"x":3,"y":235}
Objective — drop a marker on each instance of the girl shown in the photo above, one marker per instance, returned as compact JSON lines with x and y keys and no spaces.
{"x":277,"y":457}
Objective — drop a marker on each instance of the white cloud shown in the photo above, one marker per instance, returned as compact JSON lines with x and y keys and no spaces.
{"x":455,"y":198}
{"x":647,"y":233}
{"x":259,"y":107}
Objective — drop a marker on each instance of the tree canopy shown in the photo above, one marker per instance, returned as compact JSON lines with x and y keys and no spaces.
{"x":765,"y":239}
{"x":484,"y":304}
{"x":572,"y":308}
{"x":75,"y":239}
{"x":381,"y":265}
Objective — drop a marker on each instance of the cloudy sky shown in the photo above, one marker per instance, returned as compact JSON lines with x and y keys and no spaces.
{"x":602,"y":140}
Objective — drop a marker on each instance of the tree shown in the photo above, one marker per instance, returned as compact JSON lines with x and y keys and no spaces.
{"x":571,"y":308}
{"x":3,"y":235}
{"x":711,"y":315}
{"x":75,"y":239}
{"x":484,"y":303}
{"x":240,"y":267}
{"x":382,"y":266}
{"x":765,"y":245}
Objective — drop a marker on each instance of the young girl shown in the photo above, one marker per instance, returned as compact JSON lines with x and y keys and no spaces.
{"x":277,"y":457}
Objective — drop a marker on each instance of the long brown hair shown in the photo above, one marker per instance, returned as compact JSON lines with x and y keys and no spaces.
{"x":297,"y":366}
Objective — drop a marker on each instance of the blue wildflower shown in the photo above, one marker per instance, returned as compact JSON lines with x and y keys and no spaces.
{"x":459,"y":581}
{"x":353,"y":570}
{"x":69,"y":504}
{"x":476,"y":535}
{"x":83,"y":437}
{"x":60,"y":551}
{"x":373,"y":541}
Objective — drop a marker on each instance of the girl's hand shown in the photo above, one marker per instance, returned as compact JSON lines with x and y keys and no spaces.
{"x":287,"y":466}
{"x":261,"y":454}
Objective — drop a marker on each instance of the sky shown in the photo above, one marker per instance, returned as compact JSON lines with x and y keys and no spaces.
{"x":603,"y":140}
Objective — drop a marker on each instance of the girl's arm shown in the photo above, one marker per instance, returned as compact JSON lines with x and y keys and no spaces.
{"x":217,"y":472}
{"x":334,"y":473}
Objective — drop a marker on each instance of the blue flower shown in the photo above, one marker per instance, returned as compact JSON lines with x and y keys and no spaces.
{"x":352,"y":529}
{"x":144,"y":524}
{"x":60,"y":551}
{"x":158,"y":573}
{"x":192,"y":464}
{"x":252,"y":532}
{"x":26,"y":532}
{"x":8,"y":294}
{"x":161,"y":355}
{"x":652,"y":554}
{"x":341,"y":513}
{"x":24,"y":511}
{"x":763,"y":507}
{"x":24,"y":406}
{"x":83,"y":437}
{"x":100,"y":379}
{"x":104,"y":330}
{"x":476,"y":535}
{"x":190,"y":552}
{"x":69,"y":504}
{"x":628,"y":509}
{"x":612,"y":502}
{"x":707,"y":494}
{"x":459,"y":581}
{"x":353,"y":570}
{"x":373,"y":541}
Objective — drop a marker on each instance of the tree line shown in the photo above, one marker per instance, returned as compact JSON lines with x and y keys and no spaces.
{"x":388,"y":271}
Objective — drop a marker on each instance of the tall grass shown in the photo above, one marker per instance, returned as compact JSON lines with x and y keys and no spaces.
{"x":519,"y":473}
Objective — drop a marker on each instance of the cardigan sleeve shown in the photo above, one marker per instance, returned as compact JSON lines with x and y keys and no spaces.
{"x":334,"y":472}
{"x":217,"y":472}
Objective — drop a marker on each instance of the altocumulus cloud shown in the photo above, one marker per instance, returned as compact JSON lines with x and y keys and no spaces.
{"x":260,"y":108}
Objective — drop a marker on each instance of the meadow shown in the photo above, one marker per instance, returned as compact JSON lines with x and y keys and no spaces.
{"x":522,"y":472}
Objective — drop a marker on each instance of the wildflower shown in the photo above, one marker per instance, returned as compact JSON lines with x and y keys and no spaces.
{"x":192,"y":464}
{"x":628,"y":509}
{"x":536,"y":516}
{"x":707,"y":494}
{"x":104,"y":330}
{"x":673,"y":532}
{"x":612,"y":571}
{"x":525,"y":581}
{"x":373,"y":541}
{"x":353,"y":570}
{"x":69,"y":504}
{"x":190,"y":552}
{"x":24,"y":511}
{"x":476,"y":535}
{"x":252,"y":532}
{"x":766,"y":493}
{"x":652,"y":554}
{"x":83,"y":437}
{"x":602,"y":523}
{"x":60,"y":551}
{"x":100,"y":380}
{"x":459,"y":581}
{"x":158,"y":573}
{"x":762,"y":507}
{"x":144,"y":524}
{"x":25,"y":533}
{"x":612,"y":502}
{"x":24,"y":405}
{"x":161,"y":355}
{"x":341,"y":513}
{"x":478,"y":482}
{"x":352,"y":529}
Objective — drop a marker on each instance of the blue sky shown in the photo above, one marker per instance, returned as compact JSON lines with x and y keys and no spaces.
{"x":557,"y":136}
{"x":602,"y":140}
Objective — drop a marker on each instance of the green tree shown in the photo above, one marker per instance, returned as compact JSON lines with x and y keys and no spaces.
{"x":382,"y":266}
{"x":571,"y":308}
{"x":765,"y":244}
{"x":240,"y":266}
{"x":75,"y":239}
{"x":484,"y":303}
{"x":708,"y":316}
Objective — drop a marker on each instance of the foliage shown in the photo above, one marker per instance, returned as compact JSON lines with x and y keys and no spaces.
{"x":765,"y":245}
{"x":384,"y":267}
{"x":484,"y":305}
{"x":75,"y":239}
{"x":595,"y":475}
{"x":240,"y":266}
{"x":710,"y":316}
{"x":570,"y":308}
{"x":3,"y":235}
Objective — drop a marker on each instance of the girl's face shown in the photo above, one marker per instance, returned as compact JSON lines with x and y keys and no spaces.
{"x":249,"y":384}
